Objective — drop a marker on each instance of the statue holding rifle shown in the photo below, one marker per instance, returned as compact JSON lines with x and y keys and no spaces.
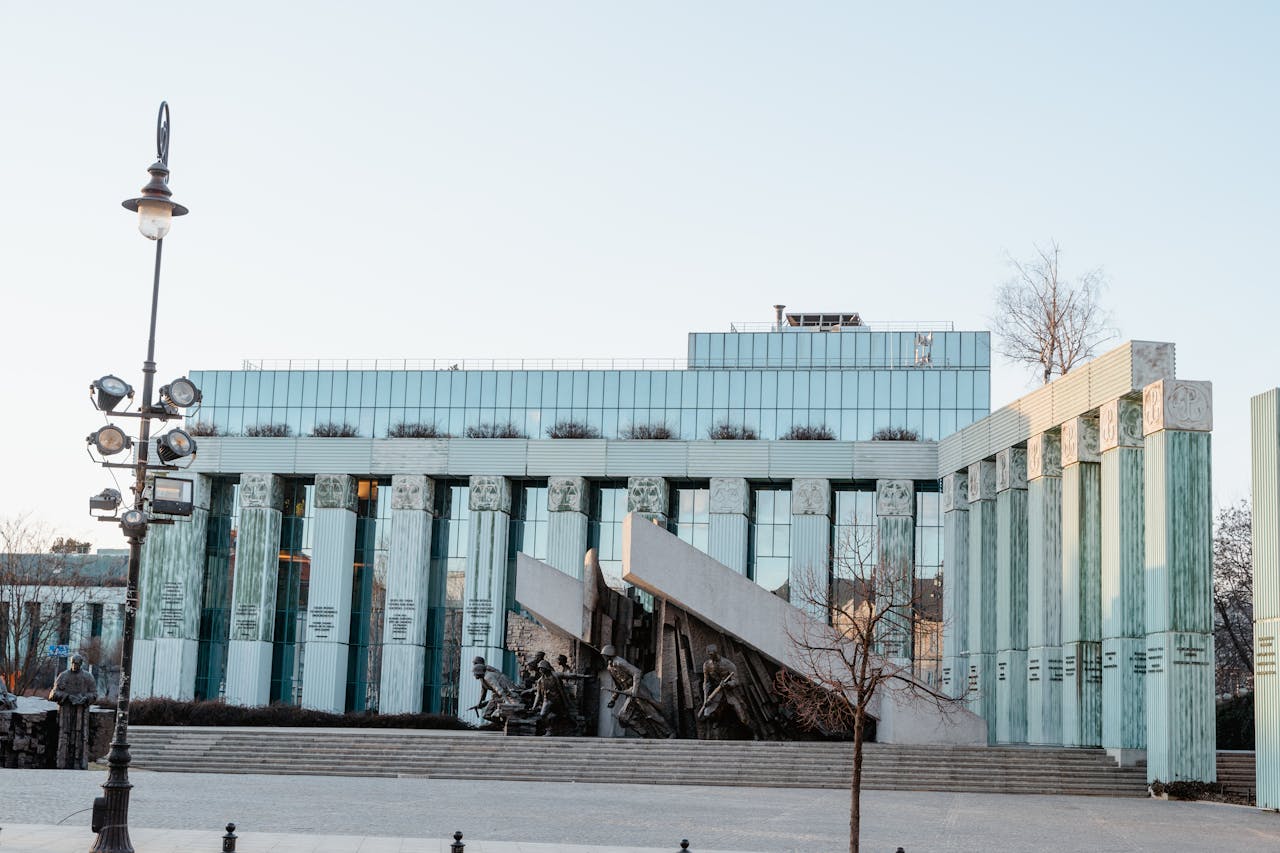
{"x":634,"y":707}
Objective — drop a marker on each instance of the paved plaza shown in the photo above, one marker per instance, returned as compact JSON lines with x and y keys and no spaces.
{"x":377,"y":815}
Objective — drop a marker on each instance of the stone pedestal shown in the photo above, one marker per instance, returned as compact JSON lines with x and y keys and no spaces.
{"x":333,"y":531}
{"x":982,"y":593}
{"x":1081,"y":584}
{"x":896,"y":542}
{"x":1011,"y":596}
{"x":567,"y":524}
{"x":484,"y":603}
{"x":1265,"y":417}
{"x":404,"y":621}
{"x":810,"y":542}
{"x":955,"y":585}
{"x":1177,"y":418}
{"x":727,"y":529}
{"x":253,"y":595}
{"x":1044,"y":589}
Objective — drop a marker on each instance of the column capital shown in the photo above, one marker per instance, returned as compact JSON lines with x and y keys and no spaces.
{"x":566,"y":494}
{"x":265,"y":491}
{"x":647,"y":494}
{"x":413,"y":492}
{"x":1011,"y":469}
{"x":335,"y":491}
{"x":1080,"y":440}
{"x":489,"y":492}
{"x":1044,"y":456}
{"x":730,"y":495}
{"x":811,"y":496}
{"x":1179,"y":404}
{"x":955,"y":492}
{"x":1119,"y":424}
{"x":895,"y":497}
{"x":982,"y":481}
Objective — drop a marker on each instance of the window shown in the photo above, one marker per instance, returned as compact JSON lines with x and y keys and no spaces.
{"x":692,"y":518}
{"x":770,"y":539}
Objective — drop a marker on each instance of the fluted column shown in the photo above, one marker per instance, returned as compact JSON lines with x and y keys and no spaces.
{"x":333,"y":526}
{"x":810,"y":542}
{"x":484,"y":604}
{"x":727,"y":530}
{"x":649,"y":496}
{"x":1266,"y":595}
{"x":1081,"y":584}
{"x":1044,"y":589}
{"x":982,"y":593}
{"x":1177,"y":419}
{"x":253,"y":593}
{"x":955,"y":584}
{"x":1011,"y":596}
{"x":567,"y":524}
{"x":404,"y":620}
{"x":1124,"y":642}
{"x":896,"y":542}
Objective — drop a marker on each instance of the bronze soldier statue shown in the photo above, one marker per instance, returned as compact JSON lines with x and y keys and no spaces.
{"x":639,"y":710}
{"x":553,"y":704}
{"x":499,"y":690}
{"x":721,"y":690}
{"x":75,"y":692}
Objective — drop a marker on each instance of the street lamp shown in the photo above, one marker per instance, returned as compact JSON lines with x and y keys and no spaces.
{"x":155,"y":208}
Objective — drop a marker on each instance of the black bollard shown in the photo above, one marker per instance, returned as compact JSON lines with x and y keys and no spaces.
{"x":684,"y":844}
{"x":457,"y":846}
{"x":900,"y":850}
{"x":229,"y":840}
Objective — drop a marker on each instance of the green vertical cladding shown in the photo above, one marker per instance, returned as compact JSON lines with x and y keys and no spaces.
{"x":1179,"y":531}
{"x":955,"y":601}
{"x":1011,"y":569}
{"x":1266,"y":710}
{"x":1082,"y":694}
{"x":171,"y":579}
{"x":1181,"y":713}
{"x":1081,"y":554}
{"x":1124,"y":666}
{"x":257,"y":558}
{"x":1044,"y":695}
{"x":1266,"y":504}
{"x":897,"y":544}
{"x":1123,"y":556}
{"x":982,"y":577}
{"x":1011,"y":696}
{"x":981,"y":697}
{"x":1044,"y":562}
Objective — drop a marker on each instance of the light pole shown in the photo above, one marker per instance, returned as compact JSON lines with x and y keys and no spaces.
{"x":155,"y":209}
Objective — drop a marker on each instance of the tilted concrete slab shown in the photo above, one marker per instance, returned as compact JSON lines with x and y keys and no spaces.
{"x":668,"y":567}
{"x":551,"y":595}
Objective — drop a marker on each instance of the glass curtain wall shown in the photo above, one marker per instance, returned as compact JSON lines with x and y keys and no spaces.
{"x":368,"y":593}
{"x":219,"y":578}
{"x":448,"y":578}
{"x":293,"y":579}
{"x":692,"y":518}
{"x":604,"y":529}
{"x":769,"y":540}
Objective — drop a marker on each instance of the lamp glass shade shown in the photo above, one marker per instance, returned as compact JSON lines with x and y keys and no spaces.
{"x":174,"y":444}
{"x":154,"y":218}
{"x":110,"y":440}
{"x":181,"y":392}
{"x":110,"y":390}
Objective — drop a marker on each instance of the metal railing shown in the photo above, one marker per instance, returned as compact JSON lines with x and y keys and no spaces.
{"x":885,"y":326}
{"x":464,"y":364}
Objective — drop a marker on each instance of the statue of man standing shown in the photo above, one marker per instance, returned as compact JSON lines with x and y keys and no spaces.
{"x":721,"y":689}
{"x":75,"y":691}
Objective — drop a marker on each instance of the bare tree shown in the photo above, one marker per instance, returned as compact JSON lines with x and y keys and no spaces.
{"x":1233,"y":595}
{"x":1047,"y":322}
{"x":855,"y":651}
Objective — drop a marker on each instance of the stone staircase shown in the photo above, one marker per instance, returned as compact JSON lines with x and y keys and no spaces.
{"x":460,"y":755}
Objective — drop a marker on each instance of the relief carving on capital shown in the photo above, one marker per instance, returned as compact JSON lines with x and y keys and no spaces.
{"x":263,"y":491}
{"x":982,"y":481}
{"x":955,"y":492}
{"x":895,"y":497}
{"x":729,"y":495}
{"x":566,"y":494}
{"x":1011,"y":469}
{"x":1044,"y":456}
{"x":1119,"y":424}
{"x":335,"y":491}
{"x":1180,"y":404}
{"x":647,"y":494}
{"x":1080,"y":441}
{"x":489,"y":493}
{"x":412,"y":492}
{"x":811,"y":496}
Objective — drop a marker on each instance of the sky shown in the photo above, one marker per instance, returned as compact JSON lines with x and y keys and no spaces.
{"x":574,"y":179}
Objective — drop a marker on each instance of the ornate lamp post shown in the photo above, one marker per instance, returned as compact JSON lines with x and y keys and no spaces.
{"x":155,"y":209}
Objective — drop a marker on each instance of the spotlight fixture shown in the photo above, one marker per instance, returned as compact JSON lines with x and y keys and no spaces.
{"x":173,"y":496}
{"x":174,"y":444}
{"x":110,"y":440}
{"x":107,"y":501}
{"x":109,"y":391}
{"x":134,"y":522}
{"x":181,"y":393}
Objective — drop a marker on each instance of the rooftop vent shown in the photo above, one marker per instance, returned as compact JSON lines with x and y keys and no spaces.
{"x":824,"y":321}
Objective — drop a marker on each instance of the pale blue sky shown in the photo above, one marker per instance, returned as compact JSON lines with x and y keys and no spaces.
{"x":584,"y":179}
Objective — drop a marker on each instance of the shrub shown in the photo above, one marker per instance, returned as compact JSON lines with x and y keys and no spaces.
{"x":200,"y":428}
{"x":572,"y":429}
{"x":895,"y":434}
{"x":731,"y":432}
{"x":1187,"y":790}
{"x":268,"y":431}
{"x":404,"y":430}
{"x":170,"y":712}
{"x":334,"y":430}
{"x":648,"y":432}
{"x":507,"y":430}
{"x":822,"y":432}
{"x":1235,"y":722}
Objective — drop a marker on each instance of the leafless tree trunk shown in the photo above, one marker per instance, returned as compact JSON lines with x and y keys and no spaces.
{"x":1233,"y":595}
{"x":1046,"y":322}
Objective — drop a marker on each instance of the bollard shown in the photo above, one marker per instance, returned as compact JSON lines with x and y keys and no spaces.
{"x":684,"y":844}
{"x":229,"y":840}
{"x":900,"y":850}
{"x":457,"y":846}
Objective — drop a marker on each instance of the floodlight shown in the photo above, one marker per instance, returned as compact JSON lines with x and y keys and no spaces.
{"x":107,"y":501}
{"x":109,"y":391}
{"x":181,"y":393}
{"x":134,"y":522}
{"x":175,"y":444}
{"x":172,"y":496}
{"x":110,"y":440}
